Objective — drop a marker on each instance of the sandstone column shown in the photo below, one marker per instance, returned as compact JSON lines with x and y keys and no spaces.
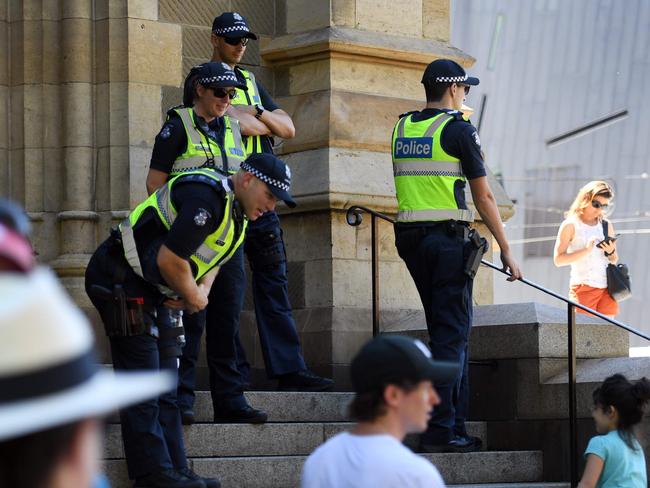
{"x":345,"y":70}
{"x":77,"y":217}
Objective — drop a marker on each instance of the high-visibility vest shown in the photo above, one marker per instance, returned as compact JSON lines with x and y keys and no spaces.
{"x":427,"y":179}
{"x":202,"y":151}
{"x":215,"y":250}
{"x":249,"y":97}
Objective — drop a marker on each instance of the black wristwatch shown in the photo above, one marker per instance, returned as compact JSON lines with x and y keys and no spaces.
{"x":260,"y":111}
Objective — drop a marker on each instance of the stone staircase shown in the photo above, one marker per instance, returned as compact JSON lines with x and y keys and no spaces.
{"x":271,"y":455}
{"x":519,"y":406}
{"x":521,"y":388}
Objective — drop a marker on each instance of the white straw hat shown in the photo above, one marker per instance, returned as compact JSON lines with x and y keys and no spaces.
{"x":48,"y":371}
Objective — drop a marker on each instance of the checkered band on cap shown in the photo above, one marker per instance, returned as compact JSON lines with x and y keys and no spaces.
{"x":450,"y":79}
{"x":208,"y":80}
{"x":266,"y":179}
{"x":233,"y":28}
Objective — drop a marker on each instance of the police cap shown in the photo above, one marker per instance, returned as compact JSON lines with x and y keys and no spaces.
{"x":231,"y":24}
{"x":446,"y":71}
{"x":272,"y":171}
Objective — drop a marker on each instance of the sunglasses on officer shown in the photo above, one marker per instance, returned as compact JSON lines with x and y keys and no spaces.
{"x":466,"y":87}
{"x":598,"y":205}
{"x":222,"y":92}
{"x":235,"y":41}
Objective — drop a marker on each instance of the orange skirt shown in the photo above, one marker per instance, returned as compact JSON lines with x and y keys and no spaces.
{"x":597,"y":298}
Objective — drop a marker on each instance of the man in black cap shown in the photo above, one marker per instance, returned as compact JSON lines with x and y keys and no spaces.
{"x":394,"y":378}
{"x":265,"y":249}
{"x":435,"y":151}
{"x":167,"y":252}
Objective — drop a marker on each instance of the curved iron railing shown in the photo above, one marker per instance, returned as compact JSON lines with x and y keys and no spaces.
{"x":354,"y":217}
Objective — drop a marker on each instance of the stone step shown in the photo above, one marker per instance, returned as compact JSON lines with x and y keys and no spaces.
{"x":283,"y":406}
{"x":514,"y":485}
{"x":284,"y":471}
{"x":287,"y":406}
{"x":270,"y":439}
{"x":528,"y":330}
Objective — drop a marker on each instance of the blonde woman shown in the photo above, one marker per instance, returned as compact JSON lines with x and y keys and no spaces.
{"x":580,"y":244}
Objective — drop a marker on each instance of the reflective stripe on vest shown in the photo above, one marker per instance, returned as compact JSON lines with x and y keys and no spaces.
{"x":131,"y":254}
{"x":249,"y":97}
{"x":201,"y":149}
{"x":206,"y":257}
{"x":434,"y":215}
{"x":425,"y":175}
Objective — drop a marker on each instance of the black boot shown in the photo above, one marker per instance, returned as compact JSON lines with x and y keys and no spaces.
{"x":209,"y":482}
{"x":167,"y":478}
{"x":304,"y":380}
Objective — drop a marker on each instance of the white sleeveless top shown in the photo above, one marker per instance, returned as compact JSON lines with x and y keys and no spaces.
{"x":592,"y":269}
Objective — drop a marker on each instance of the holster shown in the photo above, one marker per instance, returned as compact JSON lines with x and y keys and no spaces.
{"x":478,"y":246}
{"x":126,"y":316}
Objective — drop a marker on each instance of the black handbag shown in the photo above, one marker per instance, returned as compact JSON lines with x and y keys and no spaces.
{"x":618,"y":276}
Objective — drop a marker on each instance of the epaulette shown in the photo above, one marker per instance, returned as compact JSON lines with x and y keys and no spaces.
{"x":201,"y":178}
{"x":171,"y":111}
{"x":407,"y":113}
{"x":457,"y":115}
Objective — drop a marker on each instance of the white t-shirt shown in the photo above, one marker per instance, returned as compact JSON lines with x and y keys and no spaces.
{"x":591,"y":269}
{"x":374,"y":461}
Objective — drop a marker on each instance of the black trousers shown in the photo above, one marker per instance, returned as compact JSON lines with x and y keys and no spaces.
{"x":435,"y":258}
{"x":151,"y":431}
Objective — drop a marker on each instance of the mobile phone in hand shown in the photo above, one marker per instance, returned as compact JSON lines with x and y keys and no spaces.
{"x":607,"y":240}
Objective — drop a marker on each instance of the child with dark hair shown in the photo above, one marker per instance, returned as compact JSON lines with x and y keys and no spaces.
{"x":615,"y":458}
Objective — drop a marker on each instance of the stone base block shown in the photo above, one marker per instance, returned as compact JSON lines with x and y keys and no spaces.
{"x":284,"y":471}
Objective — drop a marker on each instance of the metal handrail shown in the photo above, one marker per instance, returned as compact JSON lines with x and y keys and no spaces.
{"x":354,"y":217}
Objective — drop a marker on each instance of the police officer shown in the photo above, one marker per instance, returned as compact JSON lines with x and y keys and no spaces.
{"x":435,"y":151}
{"x":199,"y":135}
{"x":168,"y":252}
{"x":266,"y":254}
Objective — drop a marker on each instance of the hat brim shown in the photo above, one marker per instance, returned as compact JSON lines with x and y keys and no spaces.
{"x":471,"y":80}
{"x":104,"y":393}
{"x":239,"y":33}
{"x":223,"y":84}
{"x":442,"y":371}
{"x":283,"y":195}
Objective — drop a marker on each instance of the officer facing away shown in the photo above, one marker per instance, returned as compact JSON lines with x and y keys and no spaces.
{"x":435,"y":151}
{"x":168,"y":252}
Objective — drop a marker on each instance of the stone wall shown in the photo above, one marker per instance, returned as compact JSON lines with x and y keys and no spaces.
{"x":85,"y":84}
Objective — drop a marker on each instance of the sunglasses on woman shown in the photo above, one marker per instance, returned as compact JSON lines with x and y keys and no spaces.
{"x":236,"y":41}
{"x":596,"y":204}
{"x":466,"y":87}
{"x":223,"y":93}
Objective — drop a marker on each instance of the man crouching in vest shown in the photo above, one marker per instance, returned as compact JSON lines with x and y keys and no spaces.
{"x":168,"y":251}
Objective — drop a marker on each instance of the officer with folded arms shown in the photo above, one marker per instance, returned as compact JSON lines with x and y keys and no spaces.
{"x":199,"y":134}
{"x":167,"y":252}
{"x":266,"y":254}
{"x":435,"y":152}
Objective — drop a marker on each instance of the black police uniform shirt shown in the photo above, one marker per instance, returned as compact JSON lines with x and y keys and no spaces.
{"x":459,"y":139}
{"x":200,"y":210}
{"x":171,"y":142}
